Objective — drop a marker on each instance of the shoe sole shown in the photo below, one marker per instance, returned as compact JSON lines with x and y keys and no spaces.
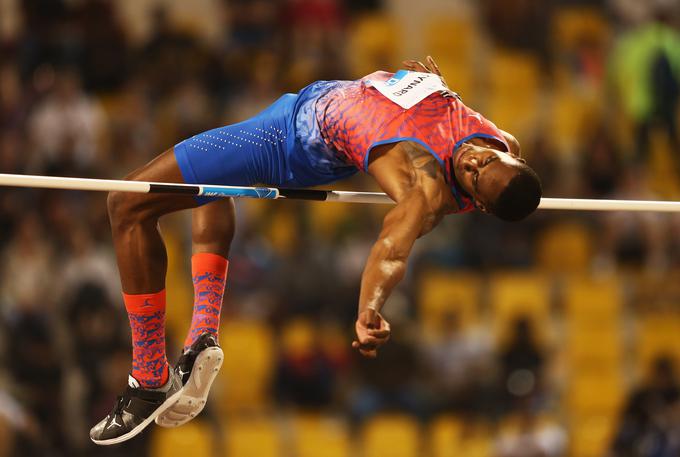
{"x":171,"y":400}
{"x":195,"y":391}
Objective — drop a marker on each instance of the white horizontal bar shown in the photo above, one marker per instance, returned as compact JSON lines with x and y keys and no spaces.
{"x":56,"y":182}
{"x":358,"y":197}
{"x":584,"y":204}
{"x":109,"y":185}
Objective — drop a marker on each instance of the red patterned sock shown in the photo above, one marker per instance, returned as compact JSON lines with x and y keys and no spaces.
{"x":209,"y":274}
{"x":147,"y":322}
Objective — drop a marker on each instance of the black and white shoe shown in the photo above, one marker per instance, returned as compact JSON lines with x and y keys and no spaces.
{"x":136,"y":409}
{"x":197,"y":367}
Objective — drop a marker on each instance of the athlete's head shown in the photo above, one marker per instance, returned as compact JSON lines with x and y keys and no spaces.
{"x":500,"y":183}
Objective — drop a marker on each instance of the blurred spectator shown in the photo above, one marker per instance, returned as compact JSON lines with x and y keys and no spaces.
{"x":87,"y":263}
{"x":522,"y":363}
{"x":361,"y":6}
{"x":645,"y":70}
{"x":532,"y":437}
{"x":18,"y":429}
{"x":66,"y":127}
{"x":105,"y":53}
{"x":315,"y":25}
{"x":633,"y":239}
{"x":254,"y":24}
{"x":263,"y":90}
{"x":35,"y":369}
{"x":489,"y":242}
{"x":390,"y":382}
{"x":27,"y":269}
{"x":305,"y":376}
{"x":601,"y":164}
{"x":460,"y":365}
{"x":520,"y":24}
{"x":14,"y":100}
{"x":650,"y":425}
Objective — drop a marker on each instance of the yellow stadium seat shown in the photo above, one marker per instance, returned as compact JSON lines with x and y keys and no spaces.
{"x":594,"y":394}
{"x":476,"y":441}
{"x":591,"y":435}
{"x":564,"y":248}
{"x":253,"y":437}
{"x":179,"y":289}
{"x":513,"y":92}
{"x":594,"y":350}
{"x":391,"y":435}
{"x":298,"y":336}
{"x":247,"y":367}
{"x":445,"y":436}
{"x":373,"y":44}
{"x":593,"y":302}
{"x":441,"y":292}
{"x":454,"y":52}
{"x":194,"y":439}
{"x":514,"y":295}
{"x":284,"y":230}
{"x":657,"y":334}
{"x":325,"y":219}
{"x":315,"y":435}
{"x":573,"y":113}
{"x":573,"y":26}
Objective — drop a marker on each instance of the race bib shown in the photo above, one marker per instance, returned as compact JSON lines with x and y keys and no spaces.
{"x":407,"y":88}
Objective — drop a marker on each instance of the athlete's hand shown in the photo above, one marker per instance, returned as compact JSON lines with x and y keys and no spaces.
{"x":372,"y":332}
{"x":429,"y":67}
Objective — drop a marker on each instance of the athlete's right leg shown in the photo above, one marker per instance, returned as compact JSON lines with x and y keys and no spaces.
{"x":142,"y":262}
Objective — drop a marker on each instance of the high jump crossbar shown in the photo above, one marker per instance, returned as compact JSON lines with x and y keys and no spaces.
{"x":273,"y":193}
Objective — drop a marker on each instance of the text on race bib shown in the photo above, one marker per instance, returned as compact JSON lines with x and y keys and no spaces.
{"x":407,"y":88}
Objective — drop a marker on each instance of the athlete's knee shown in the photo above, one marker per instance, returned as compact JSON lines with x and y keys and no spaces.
{"x":213,"y":226}
{"x":126,"y":209}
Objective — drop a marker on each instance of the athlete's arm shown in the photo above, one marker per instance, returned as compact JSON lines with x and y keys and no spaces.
{"x":413,"y":178}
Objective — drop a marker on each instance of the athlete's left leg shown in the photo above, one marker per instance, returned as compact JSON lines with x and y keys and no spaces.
{"x":201,"y":358}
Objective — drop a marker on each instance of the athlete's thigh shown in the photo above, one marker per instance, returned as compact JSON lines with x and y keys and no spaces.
{"x":243,"y":154}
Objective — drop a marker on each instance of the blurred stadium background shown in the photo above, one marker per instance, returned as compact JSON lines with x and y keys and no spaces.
{"x":559,"y":336}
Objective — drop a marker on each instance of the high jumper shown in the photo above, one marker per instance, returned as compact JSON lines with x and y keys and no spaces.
{"x":429,"y":152}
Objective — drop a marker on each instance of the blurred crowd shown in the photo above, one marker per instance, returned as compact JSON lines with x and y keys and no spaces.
{"x":86,"y":91}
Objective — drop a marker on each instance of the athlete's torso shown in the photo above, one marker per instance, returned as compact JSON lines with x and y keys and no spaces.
{"x":354,"y":117}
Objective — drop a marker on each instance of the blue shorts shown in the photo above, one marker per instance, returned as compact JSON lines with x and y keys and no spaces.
{"x":282,"y":146}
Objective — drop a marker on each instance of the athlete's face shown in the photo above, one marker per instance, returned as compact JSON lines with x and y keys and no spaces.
{"x":484,"y":172}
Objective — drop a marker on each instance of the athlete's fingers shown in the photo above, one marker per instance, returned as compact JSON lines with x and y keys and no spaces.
{"x":365,"y":351}
{"x":434,"y":66}
{"x":417,"y":66}
{"x":411,"y":67}
{"x":368,"y":342}
{"x":379,"y":333}
{"x":381,"y":341}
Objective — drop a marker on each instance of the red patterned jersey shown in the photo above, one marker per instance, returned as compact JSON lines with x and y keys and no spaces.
{"x":355,"y":117}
